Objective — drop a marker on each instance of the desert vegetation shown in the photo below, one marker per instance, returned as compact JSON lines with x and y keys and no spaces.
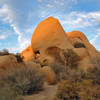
{"x":79,"y":85}
{"x":84,"y":90}
{"x":73,"y":83}
{"x":23,"y":80}
{"x":71,"y":58}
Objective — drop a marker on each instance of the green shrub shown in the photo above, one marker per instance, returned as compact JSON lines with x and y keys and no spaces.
{"x":79,"y":45}
{"x":72,"y":58}
{"x":24,"y":80}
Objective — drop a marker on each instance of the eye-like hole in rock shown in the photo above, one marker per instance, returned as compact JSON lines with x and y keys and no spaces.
{"x":55,"y":52}
{"x":37,"y":54}
{"x":79,"y":45}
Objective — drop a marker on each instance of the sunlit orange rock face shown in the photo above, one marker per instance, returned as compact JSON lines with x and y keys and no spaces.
{"x":86,"y":53}
{"x":77,"y":36}
{"x":49,"y":33}
{"x":49,"y":38}
{"x":27,"y":54}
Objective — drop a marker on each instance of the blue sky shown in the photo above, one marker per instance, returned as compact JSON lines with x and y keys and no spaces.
{"x":19,"y":18}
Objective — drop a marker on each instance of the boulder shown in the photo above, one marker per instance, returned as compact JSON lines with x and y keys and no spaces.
{"x":50,"y":76}
{"x":49,"y":33}
{"x":77,"y":36}
{"x":7,"y":62}
{"x":27,"y":54}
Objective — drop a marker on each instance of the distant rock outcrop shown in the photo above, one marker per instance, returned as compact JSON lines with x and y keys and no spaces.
{"x":7,"y":61}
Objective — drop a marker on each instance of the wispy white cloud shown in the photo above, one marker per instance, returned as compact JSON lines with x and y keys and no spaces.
{"x":2,"y":37}
{"x":7,"y":15}
{"x":20,"y":16}
{"x":80,"y":19}
{"x":52,"y":7}
{"x":94,"y":38}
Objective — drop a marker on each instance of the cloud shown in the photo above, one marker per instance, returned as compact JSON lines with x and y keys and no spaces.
{"x":20,"y":15}
{"x":94,"y":38}
{"x":80,"y":19}
{"x":23,"y":16}
{"x":2,"y":37}
{"x":8,"y":16}
{"x":52,"y":7}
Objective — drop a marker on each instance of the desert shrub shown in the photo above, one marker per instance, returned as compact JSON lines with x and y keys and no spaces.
{"x":24,"y":80}
{"x":84,"y":90}
{"x":67,"y":91}
{"x":7,"y":94}
{"x":94,"y":75}
{"x":4,"y":52}
{"x":71,"y":57}
{"x":66,"y":73}
{"x":18,"y":57}
{"x":59,"y":69}
{"x":79,"y":45}
{"x":88,"y":90}
{"x":75,"y":75}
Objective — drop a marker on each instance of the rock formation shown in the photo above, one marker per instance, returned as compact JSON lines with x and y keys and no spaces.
{"x":79,"y":37}
{"x":49,"y":33}
{"x":27,"y":54}
{"x":7,"y":61}
{"x":49,"y":39}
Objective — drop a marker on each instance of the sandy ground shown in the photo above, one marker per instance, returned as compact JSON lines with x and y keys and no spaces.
{"x":47,"y":94}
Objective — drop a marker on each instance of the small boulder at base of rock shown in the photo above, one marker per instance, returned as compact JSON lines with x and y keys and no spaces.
{"x":50,"y":76}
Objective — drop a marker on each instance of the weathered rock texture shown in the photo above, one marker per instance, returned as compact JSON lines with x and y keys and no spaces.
{"x":49,"y":33}
{"x":7,"y":62}
{"x":27,"y":54}
{"x":49,"y":39}
{"x":77,"y":36}
{"x":50,"y":76}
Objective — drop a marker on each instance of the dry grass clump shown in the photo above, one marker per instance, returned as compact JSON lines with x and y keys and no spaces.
{"x":24,"y":80}
{"x":79,"y":45}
